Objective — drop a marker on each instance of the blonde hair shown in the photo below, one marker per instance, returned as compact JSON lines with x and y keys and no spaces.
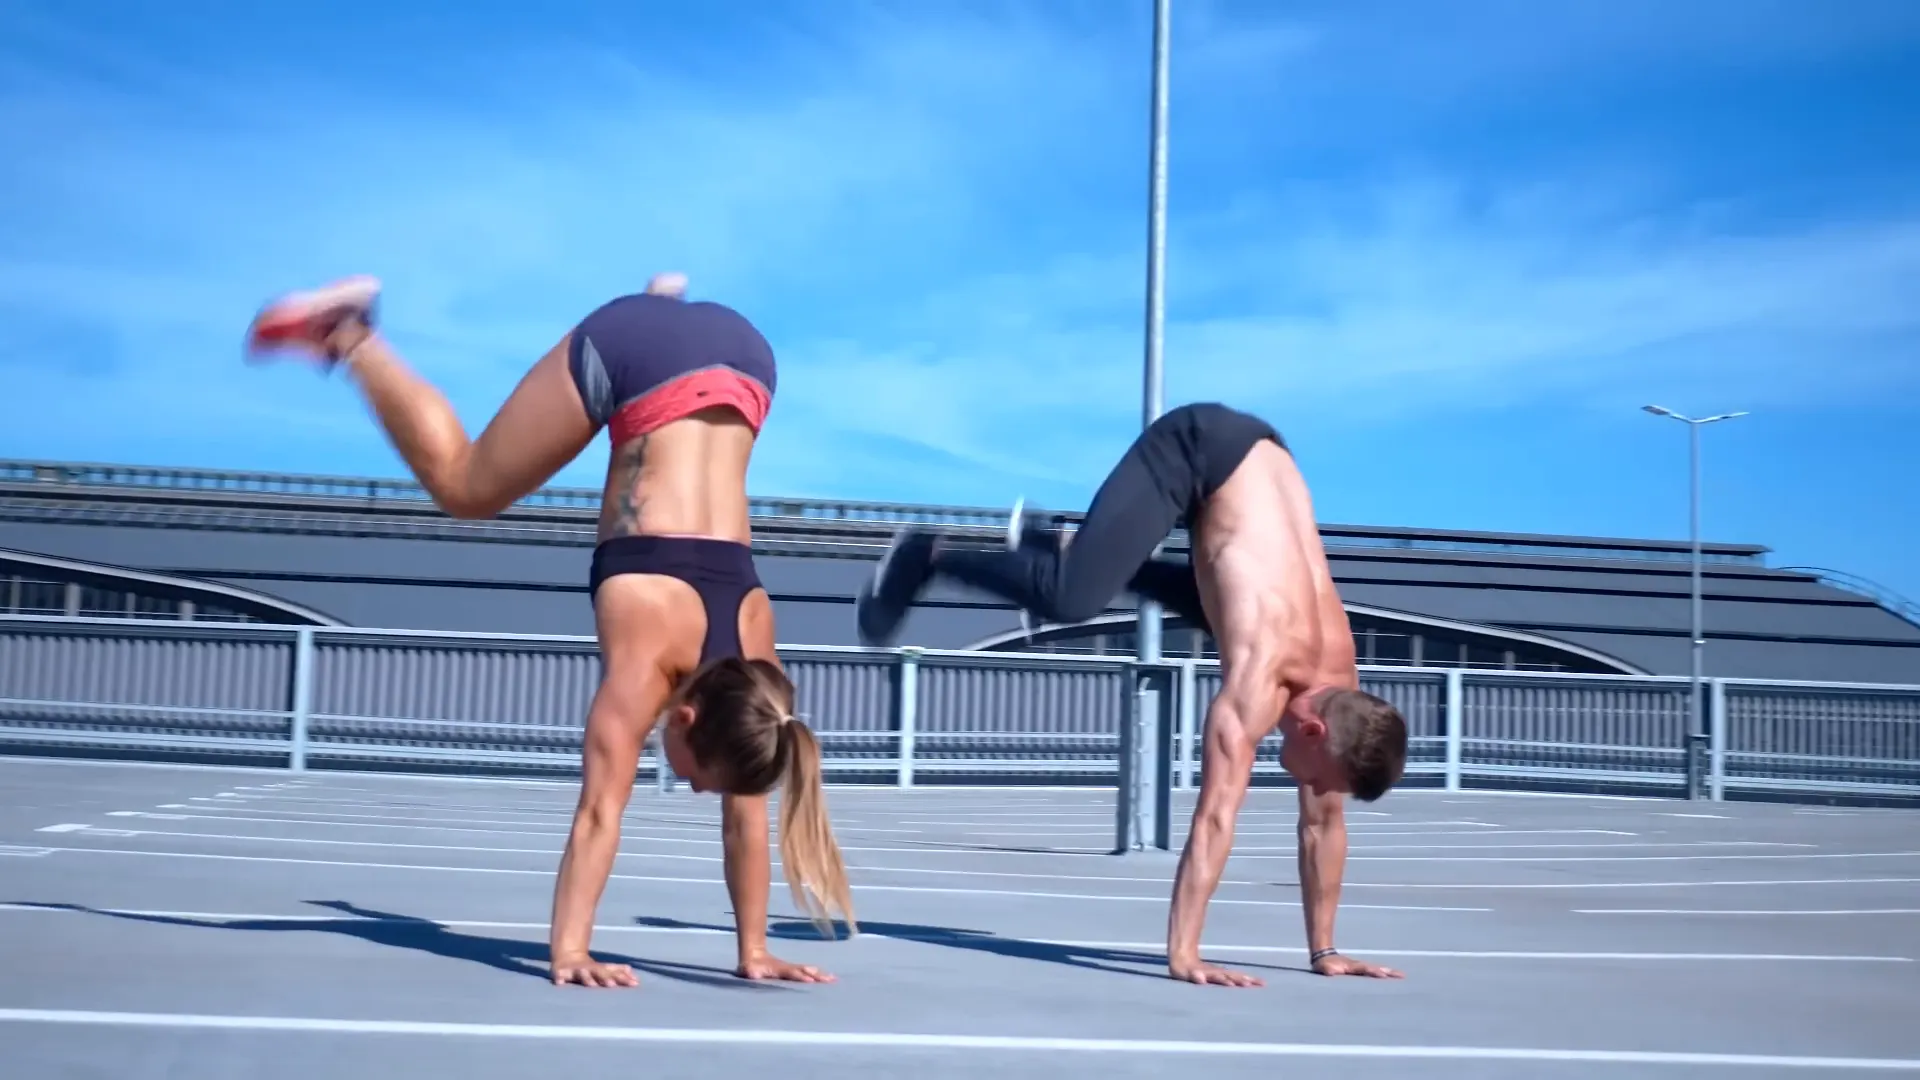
{"x":746,"y":731}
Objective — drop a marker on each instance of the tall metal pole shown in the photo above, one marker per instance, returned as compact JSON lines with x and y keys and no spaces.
{"x":1699,"y":728}
{"x":1144,"y":774}
{"x":1153,"y":396}
{"x":1696,"y":726}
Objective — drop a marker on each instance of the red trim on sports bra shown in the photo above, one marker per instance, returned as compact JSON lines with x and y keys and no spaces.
{"x":686,"y":395}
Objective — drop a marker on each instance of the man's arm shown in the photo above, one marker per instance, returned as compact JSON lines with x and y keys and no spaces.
{"x":1322,"y":834}
{"x":1226,"y":771}
{"x":1323,"y":859}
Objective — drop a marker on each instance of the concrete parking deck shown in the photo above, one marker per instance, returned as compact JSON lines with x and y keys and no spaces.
{"x":159,"y":921}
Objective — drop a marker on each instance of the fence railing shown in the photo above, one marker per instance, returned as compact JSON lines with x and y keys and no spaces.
{"x":329,"y":697}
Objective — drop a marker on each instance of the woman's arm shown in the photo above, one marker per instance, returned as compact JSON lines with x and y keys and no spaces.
{"x":624,"y":711}
{"x":745,"y":834}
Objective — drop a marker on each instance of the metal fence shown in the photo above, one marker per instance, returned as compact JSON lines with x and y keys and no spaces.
{"x":326,"y":697}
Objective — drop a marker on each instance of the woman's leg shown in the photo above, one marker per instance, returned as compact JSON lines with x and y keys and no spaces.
{"x":542,"y":426}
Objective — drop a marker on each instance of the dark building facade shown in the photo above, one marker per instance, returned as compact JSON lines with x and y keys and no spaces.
{"x":171,"y":543}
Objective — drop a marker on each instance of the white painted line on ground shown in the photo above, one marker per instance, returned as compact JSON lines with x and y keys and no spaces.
{"x":1710,"y":817}
{"x":1472,"y":954}
{"x":633,"y":833}
{"x":640,"y":836}
{"x":1634,"y":858}
{"x":1631,"y":884}
{"x":1728,"y":911}
{"x":1079,"y":833}
{"x":1290,"y":852}
{"x":1239,"y":847}
{"x":554,"y":852}
{"x":629,"y":817}
{"x":688,"y":825}
{"x":646,"y":828}
{"x":736,"y":1038}
{"x":24,"y":852}
{"x":1490,"y":793}
{"x":1462,"y":832}
{"x":1098,"y":818}
{"x":1155,"y":949}
{"x":95,"y":830}
{"x":863,"y":887}
{"x":317,"y":841}
{"x":1008,"y":828}
{"x":69,"y":827}
{"x":265,"y":771}
{"x":849,"y":820}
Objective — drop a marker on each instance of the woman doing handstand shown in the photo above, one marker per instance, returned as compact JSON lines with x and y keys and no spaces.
{"x":685,"y":628}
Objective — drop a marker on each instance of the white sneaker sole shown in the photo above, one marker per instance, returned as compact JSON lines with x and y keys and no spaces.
{"x":1016,"y":528}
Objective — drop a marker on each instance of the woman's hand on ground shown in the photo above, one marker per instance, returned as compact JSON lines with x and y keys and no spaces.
{"x":768,"y":966}
{"x":586,"y":971}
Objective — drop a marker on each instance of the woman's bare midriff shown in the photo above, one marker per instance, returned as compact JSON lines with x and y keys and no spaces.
{"x":686,"y":478}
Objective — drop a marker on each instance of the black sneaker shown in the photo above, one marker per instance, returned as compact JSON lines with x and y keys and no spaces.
{"x":886,"y":597}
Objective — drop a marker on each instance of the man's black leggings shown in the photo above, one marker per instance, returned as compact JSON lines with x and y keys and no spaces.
{"x":1162,"y":481}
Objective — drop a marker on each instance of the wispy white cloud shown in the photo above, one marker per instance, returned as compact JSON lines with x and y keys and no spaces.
{"x":1421,"y":306}
{"x":935,"y":212}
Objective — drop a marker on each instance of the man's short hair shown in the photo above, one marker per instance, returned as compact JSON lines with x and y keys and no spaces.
{"x":1368,"y":737}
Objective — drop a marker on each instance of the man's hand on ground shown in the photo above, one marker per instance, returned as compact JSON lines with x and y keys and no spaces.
{"x":1347,"y":965}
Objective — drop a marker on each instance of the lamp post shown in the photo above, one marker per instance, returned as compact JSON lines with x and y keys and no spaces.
{"x":1143,"y":808}
{"x":1148,"y":623}
{"x":1698,"y":725}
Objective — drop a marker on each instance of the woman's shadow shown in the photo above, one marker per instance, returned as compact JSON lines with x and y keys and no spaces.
{"x":426,"y":936}
{"x":1089,"y":957}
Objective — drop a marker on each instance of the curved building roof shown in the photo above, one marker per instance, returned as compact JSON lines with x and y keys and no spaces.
{"x":377,"y":553}
{"x":128,"y":587}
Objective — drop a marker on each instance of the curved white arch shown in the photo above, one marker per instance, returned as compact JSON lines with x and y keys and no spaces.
{"x":1430,"y":622}
{"x":183,"y":584}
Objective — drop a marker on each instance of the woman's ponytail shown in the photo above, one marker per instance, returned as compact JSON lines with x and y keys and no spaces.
{"x":809,"y":855}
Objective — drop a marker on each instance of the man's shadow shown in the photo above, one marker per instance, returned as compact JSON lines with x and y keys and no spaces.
{"x":424,"y":935}
{"x":1092,"y":958}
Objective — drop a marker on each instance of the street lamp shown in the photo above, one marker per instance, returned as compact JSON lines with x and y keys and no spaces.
{"x":1147,"y":619}
{"x":1699,"y":725}
{"x":1145,"y":804}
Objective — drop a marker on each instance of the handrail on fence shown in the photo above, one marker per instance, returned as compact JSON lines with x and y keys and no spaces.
{"x":418,"y":698}
{"x":180,"y":628}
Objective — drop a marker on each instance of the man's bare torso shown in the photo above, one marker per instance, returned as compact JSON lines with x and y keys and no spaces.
{"x":1263,"y":576}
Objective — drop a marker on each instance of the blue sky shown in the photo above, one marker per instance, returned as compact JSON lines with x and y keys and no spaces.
{"x":1449,"y":249}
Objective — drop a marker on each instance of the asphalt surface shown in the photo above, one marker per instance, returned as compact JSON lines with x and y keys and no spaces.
{"x":208,"y":923}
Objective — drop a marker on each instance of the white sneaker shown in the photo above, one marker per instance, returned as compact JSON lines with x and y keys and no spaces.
{"x":1016,"y":528}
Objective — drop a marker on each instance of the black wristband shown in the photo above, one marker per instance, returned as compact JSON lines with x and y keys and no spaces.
{"x":1321,"y":954}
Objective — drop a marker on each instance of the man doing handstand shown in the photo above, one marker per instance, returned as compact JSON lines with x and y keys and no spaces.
{"x":1259,"y":584}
